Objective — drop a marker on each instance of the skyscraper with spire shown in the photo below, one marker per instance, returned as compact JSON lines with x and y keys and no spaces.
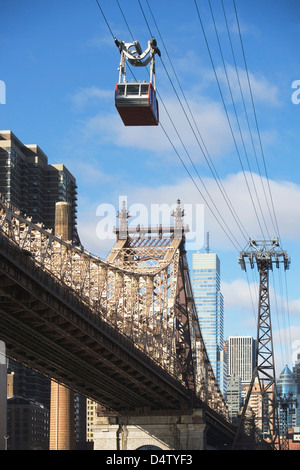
{"x":287,"y":397}
{"x":210,"y":309}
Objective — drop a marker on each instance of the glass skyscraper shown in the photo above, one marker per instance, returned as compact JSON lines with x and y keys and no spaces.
{"x":288,"y":397}
{"x":210,"y":310}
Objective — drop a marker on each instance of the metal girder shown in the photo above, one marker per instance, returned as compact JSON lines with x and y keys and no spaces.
{"x":87,"y":356}
{"x":265,"y":368}
{"x":142,"y":293}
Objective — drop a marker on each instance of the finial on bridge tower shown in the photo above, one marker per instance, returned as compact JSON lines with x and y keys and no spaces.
{"x":123,"y":215}
{"x":178,"y":214}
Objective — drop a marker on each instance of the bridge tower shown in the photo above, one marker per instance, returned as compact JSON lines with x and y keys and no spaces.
{"x":149,"y":427}
{"x":264,"y":254}
{"x":146,"y":243}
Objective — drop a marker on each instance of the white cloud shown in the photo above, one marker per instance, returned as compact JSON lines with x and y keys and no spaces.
{"x":88,"y":96}
{"x":286,"y":347}
{"x":99,"y":42}
{"x":262,"y":90}
{"x":87,"y":229}
{"x":181,"y":128}
{"x":285,"y":197}
{"x":254,"y":207}
{"x":240,"y":295}
{"x":218,"y":218}
{"x":90,"y":174}
{"x":294,"y":308}
{"x":205,"y":132}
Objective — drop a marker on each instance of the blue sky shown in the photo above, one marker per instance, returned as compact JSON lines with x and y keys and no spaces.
{"x":60,"y":65}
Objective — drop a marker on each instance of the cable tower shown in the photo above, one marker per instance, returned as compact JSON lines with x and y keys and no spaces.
{"x":264,"y":254}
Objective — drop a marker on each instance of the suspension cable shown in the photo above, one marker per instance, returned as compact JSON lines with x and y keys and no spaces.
{"x":206,"y":153}
{"x":107,"y":24}
{"x":228,"y":230}
{"x":211,"y":166}
{"x":237,"y":119}
{"x":225,"y":109}
{"x":245,"y":109}
{"x":255,"y":115}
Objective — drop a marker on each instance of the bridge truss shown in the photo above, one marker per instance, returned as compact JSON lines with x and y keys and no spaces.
{"x":142,"y":290}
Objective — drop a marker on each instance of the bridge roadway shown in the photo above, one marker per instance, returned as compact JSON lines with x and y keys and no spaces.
{"x":48,"y":328}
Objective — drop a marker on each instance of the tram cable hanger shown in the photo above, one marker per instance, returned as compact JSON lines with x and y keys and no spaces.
{"x":136,"y":102}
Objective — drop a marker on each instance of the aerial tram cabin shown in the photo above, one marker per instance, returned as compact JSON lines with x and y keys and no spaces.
{"x":136,"y":102}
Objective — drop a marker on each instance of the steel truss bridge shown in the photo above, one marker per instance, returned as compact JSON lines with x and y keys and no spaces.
{"x":121,"y":331}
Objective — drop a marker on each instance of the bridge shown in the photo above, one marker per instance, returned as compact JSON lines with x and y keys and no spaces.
{"x":121,"y":331}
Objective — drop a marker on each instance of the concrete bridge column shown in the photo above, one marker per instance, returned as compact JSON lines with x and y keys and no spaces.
{"x":62,"y":419}
{"x":174,"y":431}
{"x":62,"y":429}
{"x":3,"y":397}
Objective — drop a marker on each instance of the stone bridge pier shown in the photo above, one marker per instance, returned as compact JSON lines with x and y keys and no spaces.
{"x":164,"y":431}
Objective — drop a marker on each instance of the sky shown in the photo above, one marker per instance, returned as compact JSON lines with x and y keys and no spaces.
{"x":227,"y":146}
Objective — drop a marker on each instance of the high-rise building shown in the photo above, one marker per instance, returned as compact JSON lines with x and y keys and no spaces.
{"x":210,"y":310}
{"x":27,"y":424}
{"x":29,"y":384}
{"x":240,"y":357}
{"x":91,"y":415}
{"x":287,"y":391}
{"x":240,"y":360}
{"x":296,"y":372}
{"x":32,"y":185}
{"x":35,"y":187}
{"x":234,"y":397}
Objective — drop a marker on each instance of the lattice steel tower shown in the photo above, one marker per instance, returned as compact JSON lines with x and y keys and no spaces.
{"x":265,"y":254}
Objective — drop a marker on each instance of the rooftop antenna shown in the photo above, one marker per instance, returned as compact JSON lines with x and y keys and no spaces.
{"x":207,"y":242}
